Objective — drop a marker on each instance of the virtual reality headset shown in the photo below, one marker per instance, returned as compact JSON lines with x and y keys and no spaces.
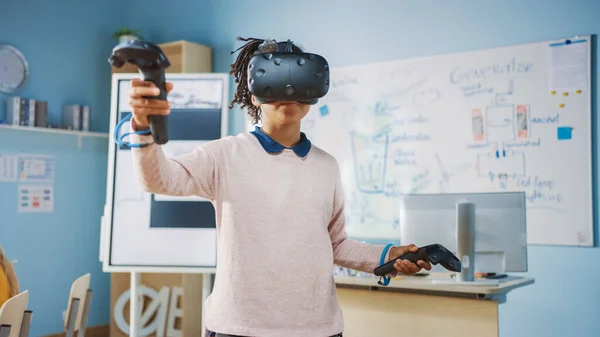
{"x":285,"y":75}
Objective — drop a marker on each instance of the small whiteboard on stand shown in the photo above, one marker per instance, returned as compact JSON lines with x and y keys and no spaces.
{"x":151,"y":233}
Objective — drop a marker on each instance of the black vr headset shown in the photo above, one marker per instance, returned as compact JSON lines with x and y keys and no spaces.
{"x":285,"y":75}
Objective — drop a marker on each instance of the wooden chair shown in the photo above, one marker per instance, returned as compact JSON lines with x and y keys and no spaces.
{"x":15,"y":319}
{"x":78,"y":307}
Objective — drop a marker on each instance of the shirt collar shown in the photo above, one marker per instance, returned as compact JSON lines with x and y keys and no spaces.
{"x":270,"y":145}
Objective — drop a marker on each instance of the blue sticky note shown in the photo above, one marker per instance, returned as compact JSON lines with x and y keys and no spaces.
{"x":564,"y":133}
{"x":324,"y":110}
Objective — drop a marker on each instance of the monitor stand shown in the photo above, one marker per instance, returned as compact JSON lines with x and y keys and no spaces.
{"x":465,"y":239}
{"x":465,"y":244}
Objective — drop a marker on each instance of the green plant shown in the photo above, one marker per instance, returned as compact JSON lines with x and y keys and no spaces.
{"x":126,"y":31}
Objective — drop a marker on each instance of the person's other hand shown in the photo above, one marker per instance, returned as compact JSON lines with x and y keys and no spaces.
{"x":406,"y":267}
{"x":142,"y":107}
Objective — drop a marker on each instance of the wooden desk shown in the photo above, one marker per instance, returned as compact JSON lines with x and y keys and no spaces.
{"x":416,"y":306}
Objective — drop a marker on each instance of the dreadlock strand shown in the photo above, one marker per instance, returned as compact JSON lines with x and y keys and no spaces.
{"x":239,"y":70}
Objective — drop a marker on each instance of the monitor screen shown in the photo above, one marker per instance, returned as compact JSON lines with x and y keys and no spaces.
{"x":500,"y":227}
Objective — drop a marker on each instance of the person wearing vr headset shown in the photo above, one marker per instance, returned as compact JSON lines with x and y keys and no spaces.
{"x":278,"y":200}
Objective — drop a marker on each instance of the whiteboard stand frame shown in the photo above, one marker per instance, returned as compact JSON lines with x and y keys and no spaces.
{"x":106,"y":232}
{"x":206,"y":290}
{"x":133,"y":304}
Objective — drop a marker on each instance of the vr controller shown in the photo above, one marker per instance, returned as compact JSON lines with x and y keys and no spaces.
{"x":284,"y":75}
{"x":151,"y":63}
{"x":435,"y":254}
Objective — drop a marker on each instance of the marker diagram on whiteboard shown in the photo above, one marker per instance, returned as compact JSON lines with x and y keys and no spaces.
{"x":501,"y":125}
{"x":482,"y":121}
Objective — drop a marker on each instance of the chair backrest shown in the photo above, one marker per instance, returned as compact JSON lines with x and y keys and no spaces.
{"x":11,"y":312}
{"x":78,"y":294}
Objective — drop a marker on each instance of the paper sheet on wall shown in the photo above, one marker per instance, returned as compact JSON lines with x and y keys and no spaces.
{"x":569,"y":65}
{"x":36,"y":168}
{"x":8,"y":167}
{"x":36,"y":198}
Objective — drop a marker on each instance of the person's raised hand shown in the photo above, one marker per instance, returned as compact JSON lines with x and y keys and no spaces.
{"x":142,"y":107}
{"x":406,"y":267}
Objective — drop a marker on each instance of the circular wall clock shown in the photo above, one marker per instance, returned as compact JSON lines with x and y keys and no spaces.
{"x":14,"y":69}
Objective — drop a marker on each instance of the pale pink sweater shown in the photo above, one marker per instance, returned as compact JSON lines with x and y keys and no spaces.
{"x":280,"y":229}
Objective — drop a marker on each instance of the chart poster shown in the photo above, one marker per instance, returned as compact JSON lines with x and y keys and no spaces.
{"x":36,"y":168}
{"x":36,"y":198}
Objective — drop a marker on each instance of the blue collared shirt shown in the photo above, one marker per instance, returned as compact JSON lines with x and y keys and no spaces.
{"x":270,"y":145}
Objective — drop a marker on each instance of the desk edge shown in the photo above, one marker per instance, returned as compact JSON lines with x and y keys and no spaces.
{"x":427,"y":285}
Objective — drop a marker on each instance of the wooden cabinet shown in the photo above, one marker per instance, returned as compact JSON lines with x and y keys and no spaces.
{"x":185,"y":57}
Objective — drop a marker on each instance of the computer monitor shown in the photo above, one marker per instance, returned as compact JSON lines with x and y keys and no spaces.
{"x":500,"y":227}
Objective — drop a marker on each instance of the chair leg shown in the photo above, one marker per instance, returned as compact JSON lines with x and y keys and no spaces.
{"x":84,"y":316}
{"x":26,"y":323}
{"x":72,"y":319}
{"x":4,"y":330}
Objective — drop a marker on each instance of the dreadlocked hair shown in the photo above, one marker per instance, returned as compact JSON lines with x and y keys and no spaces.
{"x":7,"y":268}
{"x":239,"y":70}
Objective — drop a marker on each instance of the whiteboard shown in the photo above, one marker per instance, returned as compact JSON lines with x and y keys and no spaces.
{"x":144,"y":232}
{"x":506,"y":119}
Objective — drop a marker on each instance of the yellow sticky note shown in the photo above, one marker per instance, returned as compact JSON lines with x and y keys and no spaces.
{"x":561,"y":105}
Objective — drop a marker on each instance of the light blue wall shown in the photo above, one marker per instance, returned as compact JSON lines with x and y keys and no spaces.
{"x":566,"y":292}
{"x":566,"y":295}
{"x":67,"y":44}
{"x":54,"y":249}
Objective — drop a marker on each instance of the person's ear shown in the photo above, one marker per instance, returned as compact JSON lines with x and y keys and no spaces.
{"x":256,"y":104}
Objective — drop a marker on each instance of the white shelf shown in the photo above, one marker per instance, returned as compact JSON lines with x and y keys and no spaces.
{"x":54,"y":130}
